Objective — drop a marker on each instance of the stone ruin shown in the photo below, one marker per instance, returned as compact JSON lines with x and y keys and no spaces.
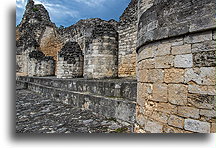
{"x":167,"y":45}
{"x":70,"y":61}
{"x":40,"y":65}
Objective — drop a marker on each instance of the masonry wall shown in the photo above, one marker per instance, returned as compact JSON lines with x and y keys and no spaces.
{"x":127,"y":30}
{"x":40,"y":65}
{"x":101,"y":55}
{"x":176,"y":68}
{"x":70,"y":61}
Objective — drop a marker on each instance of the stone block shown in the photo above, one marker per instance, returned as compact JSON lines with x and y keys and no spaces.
{"x":183,"y":49}
{"x":185,"y":111}
{"x":159,"y":92}
{"x":142,"y":75}
{"x":155,"y":75}
{"x":202,"y":76}
{"x":202,"y":101}
{"x":174,"y":75}
{"x":160,"y":116}
{"x":166,"y":108}
{"x":141,"y":119}
{"x":153,"y":127}
{"x":176,"y":121}
{"x":163,"y":49}
{"x":164,"y":61}
{"x":204,"y":59}
{"x":211,"y":90}
{"x":147,"y":52}
{"x":208,"y":113}
{"x":214,"y":35}
{"x":213,"y":127}
{"x":144,"y":93}
{"x":177,"y":94}
{"x":148,"y":63}
{"x":198,"y":37}
{"x":197,"y":89}
{"x":204,"y":46}
{"x":183,"y":61}
{"x":197,"y":126}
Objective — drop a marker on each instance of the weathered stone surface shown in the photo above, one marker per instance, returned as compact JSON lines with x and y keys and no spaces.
{"x":202,"y":76}
{"x":176,"y":121}
{"x":166,"y":108}
{"x":147,"y":52}
{"x":160,"y":92}
{"x":213,"y":127}
{"x":177,"y":94}
{"x":144,"y":93}
{"x":163,"y":49}
{"x":36,"y":114}
{"x":148,"y":63}
{"x":203,"y":46}
{"x":183,"y":61}
{"x":188,"y":112}
{"x":127,"y":41}
{"x":153,"y":127}
{"x":202,"y":101}
{"x":198,"y":89}
{"x":188,"y":20}
{"x":155,"y":75}
{"x":204,"y":59}
{"x":208,"y":113}
{"x":174,"y":75}
{"x":197,"y":126}
{"x":164,"y":61}
{"x":160,"y":116}
{"x":183,"y":49}
{"x":198,"y":37}
{"x":142,"y":75}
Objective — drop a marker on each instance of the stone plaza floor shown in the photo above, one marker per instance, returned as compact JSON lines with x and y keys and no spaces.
{"x":36,"y":114}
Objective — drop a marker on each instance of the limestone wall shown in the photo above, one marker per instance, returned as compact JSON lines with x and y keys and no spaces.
{"x":70,"y":61}
{"x":127,"y":30}
{"x":176,"y":68}
{"x":101,"y":55}
{"x":40,"y":65}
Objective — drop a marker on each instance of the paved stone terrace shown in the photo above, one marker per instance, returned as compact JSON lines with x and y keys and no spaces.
{"x":36,"y":114}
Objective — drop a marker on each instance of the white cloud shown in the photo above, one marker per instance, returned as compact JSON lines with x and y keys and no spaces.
{"x":21,"y":3}
{"x":92,"y":3}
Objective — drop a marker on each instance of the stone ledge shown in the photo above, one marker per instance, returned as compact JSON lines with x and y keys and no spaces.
{"x":110,"y":107}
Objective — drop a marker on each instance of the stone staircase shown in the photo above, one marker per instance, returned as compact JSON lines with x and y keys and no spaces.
{"x":113,"y":98}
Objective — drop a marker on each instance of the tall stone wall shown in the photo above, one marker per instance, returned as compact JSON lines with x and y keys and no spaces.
{"x":101,"y":55}
{"x":70,"y":61}
{"x":176,"y":67}
{"x":127,"y":30}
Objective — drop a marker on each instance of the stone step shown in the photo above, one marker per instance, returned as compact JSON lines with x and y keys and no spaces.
{"x":117,"y":88}
{"x":110,"y":107}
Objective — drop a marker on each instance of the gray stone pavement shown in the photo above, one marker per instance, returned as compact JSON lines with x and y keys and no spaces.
{"x":36,"y":114}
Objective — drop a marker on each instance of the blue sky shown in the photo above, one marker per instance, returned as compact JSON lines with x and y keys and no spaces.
{"x":68,"y":12}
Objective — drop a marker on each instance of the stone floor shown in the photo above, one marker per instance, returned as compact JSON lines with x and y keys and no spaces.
{"x":36,"y":114}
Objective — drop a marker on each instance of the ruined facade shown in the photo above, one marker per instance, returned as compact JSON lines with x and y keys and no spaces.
{"x":167,"y":45}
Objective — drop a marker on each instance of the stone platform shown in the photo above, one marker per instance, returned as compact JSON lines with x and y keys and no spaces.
{"x":112,"y":98}
{"x":37,"y":114}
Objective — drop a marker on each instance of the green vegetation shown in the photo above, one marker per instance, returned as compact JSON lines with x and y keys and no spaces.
{"x":35,"y":9}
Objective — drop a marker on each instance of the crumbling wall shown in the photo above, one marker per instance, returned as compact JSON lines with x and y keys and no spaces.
{"x":127,"y":30}
{"x":70,"y":61}
{"x":176,"y":67}
{"x":40,"y":65}
{"x":101,"y":54}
